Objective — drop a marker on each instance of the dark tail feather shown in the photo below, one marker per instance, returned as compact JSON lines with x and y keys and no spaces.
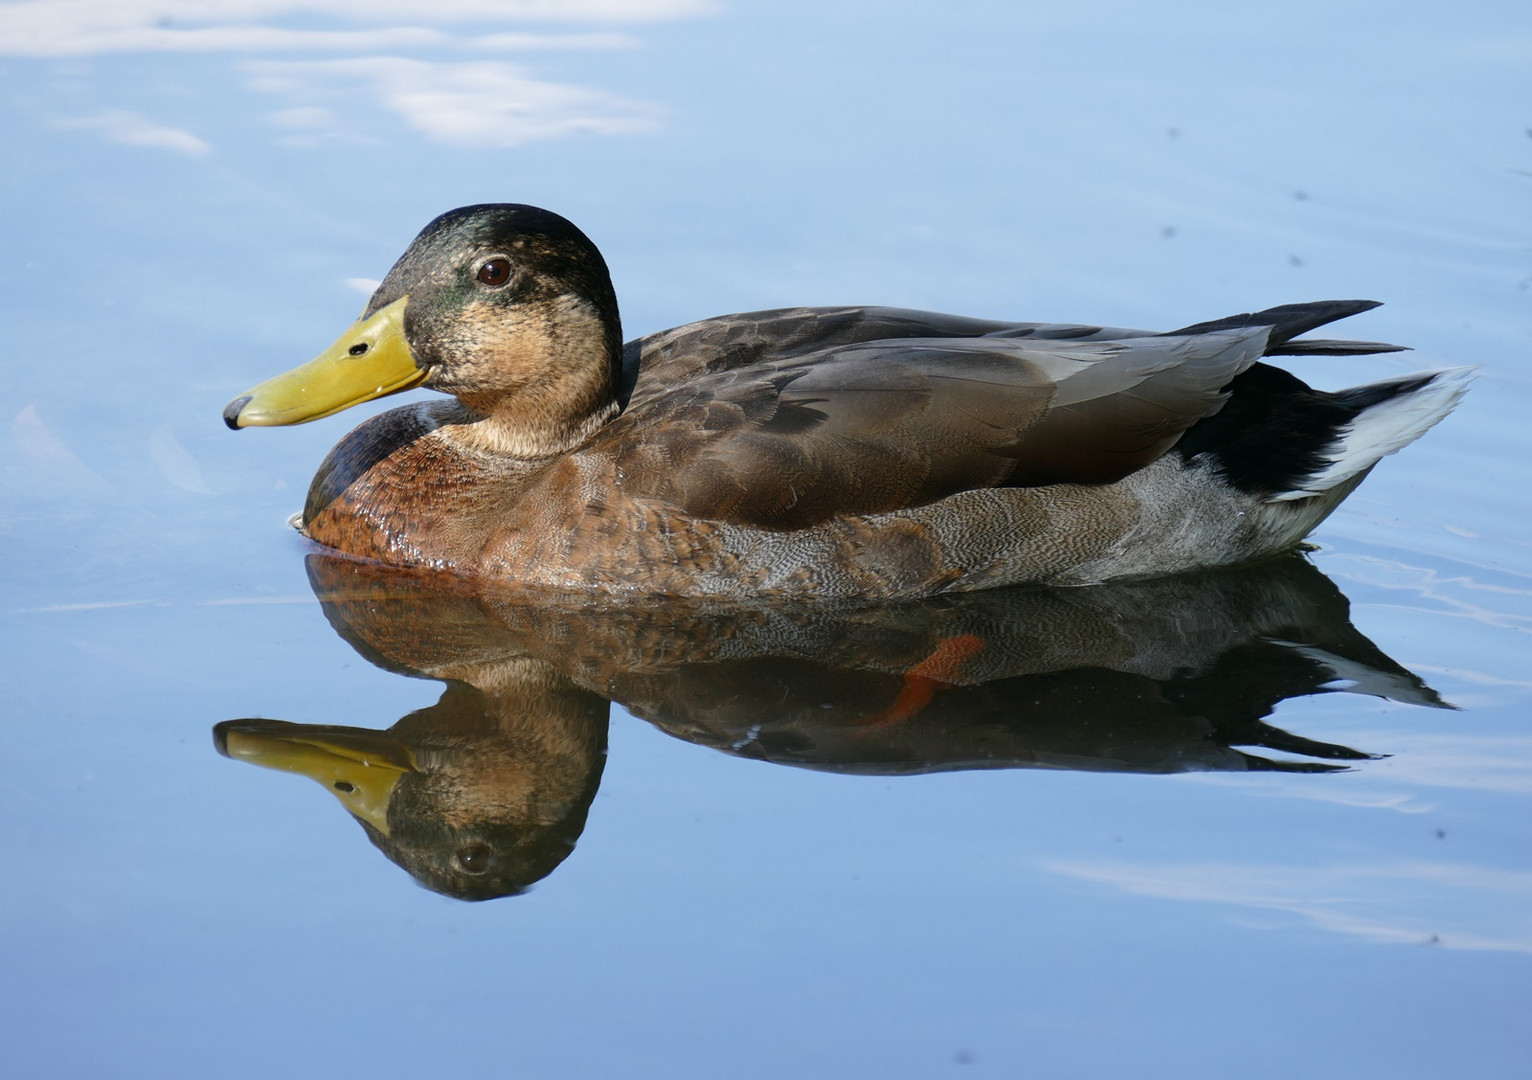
{"x":1289,"y":320}
{"x":1358,"y":398}
{"x":1332,"y":347}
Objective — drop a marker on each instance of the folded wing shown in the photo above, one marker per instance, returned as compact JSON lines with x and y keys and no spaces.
{"x":879,"y":425}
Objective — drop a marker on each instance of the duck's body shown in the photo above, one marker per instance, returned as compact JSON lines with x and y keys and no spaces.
{"x":819,"y":452}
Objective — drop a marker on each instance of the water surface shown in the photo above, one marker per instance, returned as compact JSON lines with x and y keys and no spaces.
{"x":1155,"y":869}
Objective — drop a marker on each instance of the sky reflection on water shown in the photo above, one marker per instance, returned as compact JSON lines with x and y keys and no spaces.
{"x":192,"y":199}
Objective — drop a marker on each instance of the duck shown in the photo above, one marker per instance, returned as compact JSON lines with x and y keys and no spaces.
{"x":859,"y":453}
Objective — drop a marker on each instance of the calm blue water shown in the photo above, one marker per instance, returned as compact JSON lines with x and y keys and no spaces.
{"x":189,"y":201}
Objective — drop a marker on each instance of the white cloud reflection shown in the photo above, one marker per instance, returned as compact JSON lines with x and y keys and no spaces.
{"x":175,"y":462}
{"x":454,"y":96}
{"x":1451,"y":905}
{"x":91,"y":27}
{"x":131,"y":129}
{"x":49,"y":460}
{"x":468,"y":104}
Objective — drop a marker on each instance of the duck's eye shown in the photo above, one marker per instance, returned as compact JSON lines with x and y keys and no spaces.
{"x":474,"y":859}
{"x":495,"y":272}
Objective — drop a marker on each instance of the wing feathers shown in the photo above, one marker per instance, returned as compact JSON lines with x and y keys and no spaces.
{"x":788,"y":441}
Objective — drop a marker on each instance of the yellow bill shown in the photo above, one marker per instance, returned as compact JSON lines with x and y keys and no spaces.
{"x":357,"y":766}
{"x":370,"y":360}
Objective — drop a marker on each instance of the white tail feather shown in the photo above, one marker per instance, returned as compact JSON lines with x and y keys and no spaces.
{"x":1381,"y":429}
{"x":1356,"y":677}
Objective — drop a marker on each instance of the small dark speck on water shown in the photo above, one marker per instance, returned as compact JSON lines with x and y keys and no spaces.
{"x":1173,"y":132}
{"x":1434,"y":939}
{"x":1301,"y":196}
{"x":1168,"y":232}
{"x":1441,"y":834}
{"x":963,"y":1057}
{"x":1293,"y":260}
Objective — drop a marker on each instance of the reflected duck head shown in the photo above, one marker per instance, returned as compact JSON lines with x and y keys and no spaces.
{"x":474,"y":814}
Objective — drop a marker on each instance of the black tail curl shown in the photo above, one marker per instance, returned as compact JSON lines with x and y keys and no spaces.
{"x":1276,"y":430}
{"x":1287,"y":321}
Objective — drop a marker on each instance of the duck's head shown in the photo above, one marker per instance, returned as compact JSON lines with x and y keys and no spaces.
{"x":507,"y":307}
{"x":466,"y":808}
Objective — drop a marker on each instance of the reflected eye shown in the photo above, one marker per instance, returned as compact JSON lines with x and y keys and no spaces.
{"x":474,"y":859}
{"x":495,"y":272}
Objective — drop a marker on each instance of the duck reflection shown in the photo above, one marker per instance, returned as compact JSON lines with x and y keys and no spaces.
{"x":487,"y":791}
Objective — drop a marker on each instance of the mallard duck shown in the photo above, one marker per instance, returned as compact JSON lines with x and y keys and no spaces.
{"x":812,"y":452}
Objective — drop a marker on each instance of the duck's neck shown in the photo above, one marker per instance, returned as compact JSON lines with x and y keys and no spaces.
{"x":525,"y":433}
{"x":564,"y":369}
